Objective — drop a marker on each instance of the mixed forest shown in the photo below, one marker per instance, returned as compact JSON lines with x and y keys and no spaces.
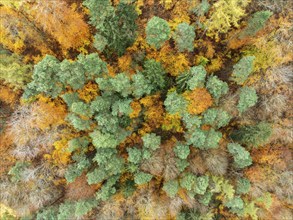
{"x":146,"y":109}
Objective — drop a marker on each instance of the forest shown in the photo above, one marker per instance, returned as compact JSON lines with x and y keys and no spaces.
{"x":146,"y":109}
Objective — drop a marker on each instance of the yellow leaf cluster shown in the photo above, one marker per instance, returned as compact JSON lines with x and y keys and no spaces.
{"x":167,"y":3}
{"x":215,"y":65}
{"x":267,"y":54}
{"x":60,"y":155}
{"x":153,"y":112}
{"x":48,"y":113}
{"x":26,"y":36}
{"x":8,"y":96}
{"x":199,"y":100}
{"x":172,"y":122}
{"x":5,"y":209}
{"x":88,"y":92}
{"x":125,"y":63}
{"x":174,"y":63}
{"x":225,"y":14}
{"x":62,"y":22}
{"x":180,"y":12}
{"x":136,"y":109}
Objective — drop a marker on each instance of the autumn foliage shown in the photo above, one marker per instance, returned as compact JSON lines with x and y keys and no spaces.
{"x":146,"y":109}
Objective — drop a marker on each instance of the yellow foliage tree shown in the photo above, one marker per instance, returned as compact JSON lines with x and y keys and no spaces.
{"x":172,"y":122}
{"x":153,"y":112}
{"x":19,"y":35}
{"x":88,"y":92}
{"x":199,"y":100}
{"x":225,"y":14}
{"x":62,"y":22}
{"x":174,"y":63}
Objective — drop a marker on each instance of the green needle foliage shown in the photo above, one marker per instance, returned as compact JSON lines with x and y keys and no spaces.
{"x":242,"y":157}
{"x":255,"y":23}
{"x":253,"y":135}
{"x":116,"y":26}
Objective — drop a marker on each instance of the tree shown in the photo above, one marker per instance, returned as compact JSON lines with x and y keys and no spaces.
{"x":181,"y":150}
{"x":78,"y":123}
{"x":243,"y":186}
{"x":155,"y":74}
{"x":201,"y":185}
{"x":16,"y":171}
{"x":175,"y":103}
{"x":171,"y":187}
{"x":45,"y":78}
{"x":72,"y":74}
{"x":217,"y":87}
{"x":103,"y":140}
{"x":247,"y":98}
{"x":134,"y":155}
{"x":81,"y":109}
{"x":191,"y":121}
{"x":51,"y":77}
{"x":120,"y":30}
{"x":142,"y":85}
{"x":13,"y":71}
{"x":202,"y":8}
{"x":27,"y":36}
{"x":61,"y":21}
{"x":242,"y":69}
{"x":253,"y":135}
{"x":203,"y":139}
{"x":225,"y":14}
{"x":255,"y":23}
{"x":216,"y":118}
{"x":142,"y":178}
{"x":121,"y":84}
{"x":194,"y":78}
{"x":84,"y":206}
{"x":242,"y":157}
{"x":157,"y":32}
{"x":199,"y":100}
{"x":236,"y":205}
{"x":76,"y":169}
{"x":188,"y":180}
{"x":151,"y":141}
{"x":184,"y":37}
{"x":116,"y":26}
